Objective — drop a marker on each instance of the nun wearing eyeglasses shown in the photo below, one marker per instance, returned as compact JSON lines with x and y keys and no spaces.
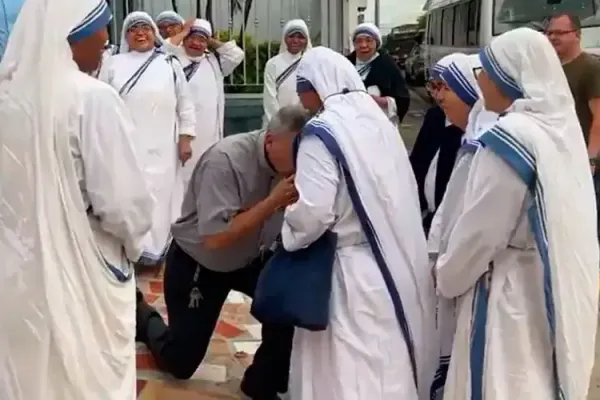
{"x":378,"y":71}
{"x":378,"y":344}
{"x":280,"y":71}
{"x":206,"y":62}
{"x":155,"y":90}
{"x":456,"y":91}
{"x":522,"y":258}
{"x":460,"y":98}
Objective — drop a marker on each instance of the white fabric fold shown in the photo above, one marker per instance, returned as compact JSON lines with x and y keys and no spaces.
{"x":544,"y":122}
{"x":364,"y":132}
{"x":67,"y":324}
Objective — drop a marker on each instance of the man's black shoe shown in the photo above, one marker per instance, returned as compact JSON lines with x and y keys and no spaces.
{"x":143,"y":312}
{"x":252,"y":394}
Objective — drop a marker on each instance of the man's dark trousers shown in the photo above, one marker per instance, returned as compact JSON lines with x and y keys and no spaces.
{"x":194,"y":297}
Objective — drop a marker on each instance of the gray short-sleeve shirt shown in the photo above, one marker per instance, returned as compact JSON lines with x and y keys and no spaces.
{"x":230,"y":177}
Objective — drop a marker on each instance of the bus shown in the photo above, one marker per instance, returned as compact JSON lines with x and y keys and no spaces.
{"x":9,"y":10}
{"x":467,"y":25}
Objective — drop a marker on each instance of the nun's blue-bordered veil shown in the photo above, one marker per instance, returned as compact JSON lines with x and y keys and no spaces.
{"x":55,"y":342}
{"x":540,"y":137}
{"x":381,"y":171}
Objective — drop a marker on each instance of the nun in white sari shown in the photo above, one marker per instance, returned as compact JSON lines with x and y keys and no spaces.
{"x":280,"y":71}
{"x":460,"y":98}
{"x":154,"y":87}
{"x":74,"y":212}
{"x":378,"y":344}
{"x":206,"y":62}
{"x":522,"y":258}
{"x":458,"y":94}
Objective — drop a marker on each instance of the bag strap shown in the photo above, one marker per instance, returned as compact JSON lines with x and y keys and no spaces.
{"x":286,"y":73}
{"x":133,"y":80}
{"x":335,"y":150}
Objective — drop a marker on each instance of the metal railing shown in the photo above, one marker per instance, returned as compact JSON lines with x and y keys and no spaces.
{"x":256,"y":25}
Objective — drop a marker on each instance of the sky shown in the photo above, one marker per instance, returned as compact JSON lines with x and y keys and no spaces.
{"x":395,"y":12}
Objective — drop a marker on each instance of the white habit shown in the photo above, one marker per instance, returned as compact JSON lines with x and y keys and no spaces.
{"x":280,"y":73}
{"x":522,"y":257}
{"x":363,"y":354}
{"x":207,"y":92}
{"x":161,"y":107}
{"x":67,"y":325}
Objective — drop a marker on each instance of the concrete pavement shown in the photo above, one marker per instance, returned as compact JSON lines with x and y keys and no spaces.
{"x":409,"y":129}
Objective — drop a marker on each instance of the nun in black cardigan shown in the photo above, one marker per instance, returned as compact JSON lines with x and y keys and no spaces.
{"x":380,"y":74}
{"x":434,"y":153}
{"x":432,"y":158}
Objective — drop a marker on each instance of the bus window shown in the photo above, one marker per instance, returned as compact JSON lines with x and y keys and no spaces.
{"x":448,"y":26}
{"x":435,"y":28}
{"x":510,"y":14}
{"x":461,"y":25}
{"x":590,"y":36}
{"x":474,"y":23}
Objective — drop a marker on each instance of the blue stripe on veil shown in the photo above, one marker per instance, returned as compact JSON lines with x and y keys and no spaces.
{"x":520,"y":159}
{"x":323,"y":132}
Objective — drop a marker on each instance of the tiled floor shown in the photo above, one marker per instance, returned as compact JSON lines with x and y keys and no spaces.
{"x":233,"y":344}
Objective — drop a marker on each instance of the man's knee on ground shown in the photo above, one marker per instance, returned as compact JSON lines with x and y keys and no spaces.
{"x":183,"y":370}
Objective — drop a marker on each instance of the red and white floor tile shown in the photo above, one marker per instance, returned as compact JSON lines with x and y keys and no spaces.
{"x":232,"y":347}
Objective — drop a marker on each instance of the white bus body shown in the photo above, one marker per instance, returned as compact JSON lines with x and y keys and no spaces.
{"x":468,"y":25}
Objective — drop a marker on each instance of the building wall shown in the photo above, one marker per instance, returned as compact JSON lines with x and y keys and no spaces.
{"x":330,"y":21}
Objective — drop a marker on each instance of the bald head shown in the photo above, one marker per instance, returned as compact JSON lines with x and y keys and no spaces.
{"x":281,"y":132}
{"x":288,"y":120}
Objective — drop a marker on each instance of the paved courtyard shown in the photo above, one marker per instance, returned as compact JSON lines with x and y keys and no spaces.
{"x":231,"y":349}
{"x":236,"y":338}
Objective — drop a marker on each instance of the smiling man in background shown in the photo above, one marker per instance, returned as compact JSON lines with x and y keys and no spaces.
{"x":583,"y":74}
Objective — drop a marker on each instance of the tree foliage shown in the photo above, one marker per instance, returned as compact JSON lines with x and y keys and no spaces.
{"x":257,"y":55}
{"x":422,"y":21}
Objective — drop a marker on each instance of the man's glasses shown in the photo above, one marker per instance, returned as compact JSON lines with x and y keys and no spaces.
{"x":559,"y":33}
